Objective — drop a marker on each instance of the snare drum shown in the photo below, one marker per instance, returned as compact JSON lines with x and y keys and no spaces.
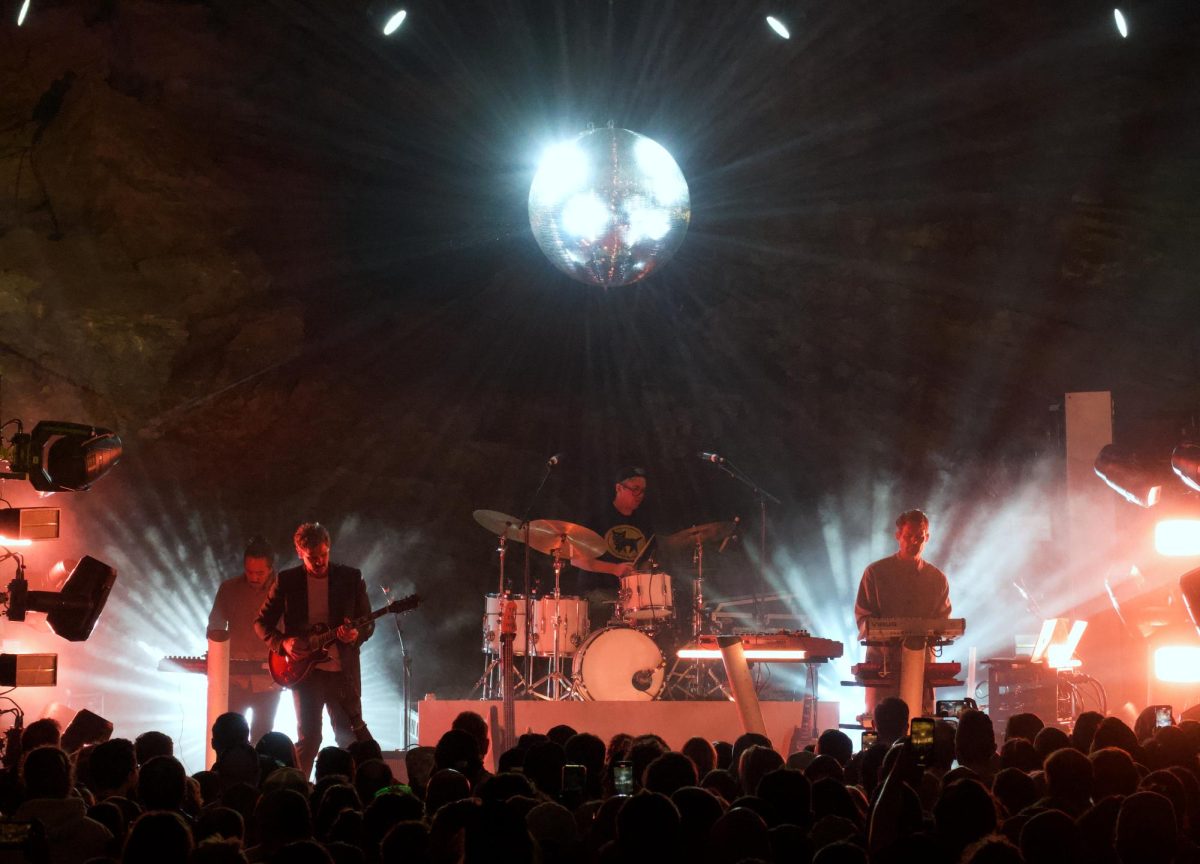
{"x":645,"y":598}
{"x":491,"y":624}
{"x":573,"y":625}
{"x":619,"y":664}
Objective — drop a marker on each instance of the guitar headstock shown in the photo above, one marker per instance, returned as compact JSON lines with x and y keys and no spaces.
{"x":404,"y":604}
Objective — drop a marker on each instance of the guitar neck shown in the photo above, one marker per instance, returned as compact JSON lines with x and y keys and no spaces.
{"x":319,"y":640}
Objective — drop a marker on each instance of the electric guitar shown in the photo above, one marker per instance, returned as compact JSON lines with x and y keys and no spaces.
{"x":289,"y":671}
{"x":508,"y":633}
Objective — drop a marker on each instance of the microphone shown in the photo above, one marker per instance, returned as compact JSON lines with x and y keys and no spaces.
{"x":554,"y":460}
{"x":711,"y":457}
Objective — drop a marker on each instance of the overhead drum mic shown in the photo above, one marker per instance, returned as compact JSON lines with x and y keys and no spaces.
{"x":715,"y":458}
{"x":554,"y":460}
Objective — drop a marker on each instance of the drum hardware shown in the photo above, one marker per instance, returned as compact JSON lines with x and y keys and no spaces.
{"x":558,"y":686}
{"x":489,"y":684}
{"x":693,"y":679}
{"x":556,"y":537}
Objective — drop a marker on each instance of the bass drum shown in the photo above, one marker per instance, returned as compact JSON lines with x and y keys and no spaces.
{"x":617,"y":664}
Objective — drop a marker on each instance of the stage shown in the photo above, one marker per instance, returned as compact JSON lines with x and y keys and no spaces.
{"x":674,"y":721}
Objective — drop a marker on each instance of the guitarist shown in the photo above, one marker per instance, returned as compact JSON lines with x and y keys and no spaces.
{"x":320,"y":594}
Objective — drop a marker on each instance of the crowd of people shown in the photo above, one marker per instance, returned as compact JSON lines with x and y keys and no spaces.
{"x":1103,"y":792}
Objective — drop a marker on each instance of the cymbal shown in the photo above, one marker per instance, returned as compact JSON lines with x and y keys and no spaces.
{"x":499,"y":523}
{"x":548,"y":535}
{"x":709,"y":532}
{"x":545,"y":535}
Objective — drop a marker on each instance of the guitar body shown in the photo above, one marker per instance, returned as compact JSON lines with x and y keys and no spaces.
{"x":290,"y":671}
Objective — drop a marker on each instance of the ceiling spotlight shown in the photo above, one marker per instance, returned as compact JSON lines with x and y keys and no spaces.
{"x":1122,"y":27}
{"x":1122,"y":472}
{"x":394,"y":22}
{"x":22,"y":13}
{"x":778,"y":26}
{"x":1185,"y":462}
{"x":62,"y":457}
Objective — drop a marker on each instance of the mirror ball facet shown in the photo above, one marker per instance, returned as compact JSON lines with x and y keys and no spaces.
{"x":609,"y":207}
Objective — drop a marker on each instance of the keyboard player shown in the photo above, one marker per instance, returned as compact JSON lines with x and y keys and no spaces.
{"x":903,"y":585}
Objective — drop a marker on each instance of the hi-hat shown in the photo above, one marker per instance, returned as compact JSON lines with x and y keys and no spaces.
{"x":710,"y":532}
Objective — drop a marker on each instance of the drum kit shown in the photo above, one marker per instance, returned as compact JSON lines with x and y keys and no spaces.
{"x":625,"y":660}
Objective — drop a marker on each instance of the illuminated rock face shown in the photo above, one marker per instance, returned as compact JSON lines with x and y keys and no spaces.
{"x":609,"y":207}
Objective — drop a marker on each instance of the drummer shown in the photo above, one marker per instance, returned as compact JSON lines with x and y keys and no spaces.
{"x":625,"y":532}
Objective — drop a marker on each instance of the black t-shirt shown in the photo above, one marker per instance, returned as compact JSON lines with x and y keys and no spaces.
{"x":625,"y":537}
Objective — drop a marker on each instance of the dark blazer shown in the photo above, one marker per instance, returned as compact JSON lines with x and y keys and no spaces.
{"x":287,"y":605}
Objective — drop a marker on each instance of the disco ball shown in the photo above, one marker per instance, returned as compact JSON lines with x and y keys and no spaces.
{"x":609,"y":207}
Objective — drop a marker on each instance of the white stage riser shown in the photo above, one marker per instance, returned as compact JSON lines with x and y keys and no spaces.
{"x":676,"y":722}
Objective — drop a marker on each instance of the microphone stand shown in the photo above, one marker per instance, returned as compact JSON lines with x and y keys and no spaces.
{"x":762,"y":496}
{"x":406,"y":677}
{"x":528,"y":596}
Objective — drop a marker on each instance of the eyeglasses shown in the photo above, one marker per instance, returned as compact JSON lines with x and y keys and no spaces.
{"x":633,"y":490}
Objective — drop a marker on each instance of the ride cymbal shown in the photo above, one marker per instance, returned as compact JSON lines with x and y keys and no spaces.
{"x":709,"y":532}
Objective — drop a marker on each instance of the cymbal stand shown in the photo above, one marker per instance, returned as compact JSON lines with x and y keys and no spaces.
{"x":558,"y":685}
{"x":528,"y":588}
{"x":488,"y":684}
{"x":687,"y":678}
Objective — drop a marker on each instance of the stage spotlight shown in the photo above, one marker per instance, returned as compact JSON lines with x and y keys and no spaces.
{"x":1177,"y":664}
{"x":1122,"y":472}
{"x":63,"y":457}
{"x":1122,"y":26}
{"x":72,"y":612}
{"x":28,"y":670}
{"x":778,"y":26}
{"x":22,"y":13}
{"x":394,"y":21}
{"x":23,"y":525}
{"x":1177,"y":538}
{"x":1185,"y":462}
